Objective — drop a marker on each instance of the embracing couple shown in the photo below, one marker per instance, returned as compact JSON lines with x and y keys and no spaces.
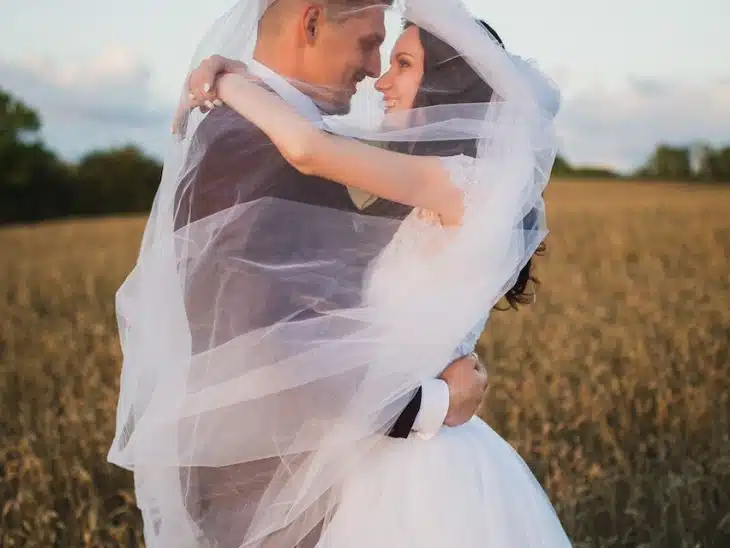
{"x":299,"y":330}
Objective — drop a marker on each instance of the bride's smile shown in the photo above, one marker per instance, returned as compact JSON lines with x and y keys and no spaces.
{"x":400,"y":84}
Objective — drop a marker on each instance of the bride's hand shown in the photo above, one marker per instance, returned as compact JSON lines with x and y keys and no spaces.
{"x":202,"y":87}
{"x":202,"y":82}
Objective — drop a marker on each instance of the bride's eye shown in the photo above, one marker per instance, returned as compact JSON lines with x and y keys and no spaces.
{"x":402,"y":63}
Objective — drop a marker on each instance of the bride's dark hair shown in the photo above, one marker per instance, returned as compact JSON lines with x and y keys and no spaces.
{"x":448,"y":79}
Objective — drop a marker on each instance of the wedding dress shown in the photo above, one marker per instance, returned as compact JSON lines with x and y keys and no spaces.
{"x":464,"y":488}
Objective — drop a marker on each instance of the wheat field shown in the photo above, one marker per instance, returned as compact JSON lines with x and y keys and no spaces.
{"x":614,"y":385}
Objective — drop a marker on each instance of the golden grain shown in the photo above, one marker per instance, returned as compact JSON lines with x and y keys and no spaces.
{"x":614,"y":386}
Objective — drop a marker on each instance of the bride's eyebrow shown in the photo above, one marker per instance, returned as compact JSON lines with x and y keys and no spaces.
{"x":397,"y":54}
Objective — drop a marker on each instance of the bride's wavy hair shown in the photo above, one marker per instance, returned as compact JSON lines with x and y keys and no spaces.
{"x":448,"y":79}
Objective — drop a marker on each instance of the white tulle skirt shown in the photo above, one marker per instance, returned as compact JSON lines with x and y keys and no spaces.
{"x":464,"y":488}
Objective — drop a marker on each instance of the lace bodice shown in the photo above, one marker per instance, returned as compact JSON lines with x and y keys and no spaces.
{"x":462,"y":175}
{"x":401,"y":264}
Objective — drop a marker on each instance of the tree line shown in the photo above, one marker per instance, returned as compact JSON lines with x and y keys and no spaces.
{"x":699,"y":163}
{"x":35,"y":184}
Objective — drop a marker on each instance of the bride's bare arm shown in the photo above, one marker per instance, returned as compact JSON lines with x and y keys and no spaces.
{"x":419,"y":181}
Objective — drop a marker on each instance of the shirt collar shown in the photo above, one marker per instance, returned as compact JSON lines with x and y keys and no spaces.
{"x":301,"y":102}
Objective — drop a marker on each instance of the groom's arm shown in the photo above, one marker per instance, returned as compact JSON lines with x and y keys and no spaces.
{"x":425,"y":413}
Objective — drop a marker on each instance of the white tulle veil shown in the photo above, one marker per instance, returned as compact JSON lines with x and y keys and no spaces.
{"x":257,"y":375}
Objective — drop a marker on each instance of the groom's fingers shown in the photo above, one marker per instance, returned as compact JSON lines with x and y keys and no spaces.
{"x":483,"y":378}
{"x":467,"y":385}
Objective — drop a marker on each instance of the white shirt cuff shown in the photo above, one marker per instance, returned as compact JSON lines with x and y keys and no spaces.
{"x":434,"y":407}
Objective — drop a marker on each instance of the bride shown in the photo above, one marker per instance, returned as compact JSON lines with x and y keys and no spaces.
{"x":465,"y":487}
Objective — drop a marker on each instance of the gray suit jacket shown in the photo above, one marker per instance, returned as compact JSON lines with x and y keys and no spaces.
{"x":217,"y":497}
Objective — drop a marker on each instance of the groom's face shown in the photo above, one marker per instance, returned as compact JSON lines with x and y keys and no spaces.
{"x":341,"y":54}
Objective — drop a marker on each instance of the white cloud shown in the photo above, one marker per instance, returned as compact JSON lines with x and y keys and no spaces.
{"x":102,"y":102}
{"x":621,"y":126}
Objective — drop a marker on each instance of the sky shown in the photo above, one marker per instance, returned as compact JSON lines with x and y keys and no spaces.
{"x":632,"y":72}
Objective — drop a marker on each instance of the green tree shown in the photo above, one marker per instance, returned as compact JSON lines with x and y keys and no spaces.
{"x":120,"y":180}
{"x":561,"y":167}
{"x":34,"y":184}
{"x":16,"y":120}
{"x":715,"y":165}
{"x":722,"y":165}
{"x":673,"y":163}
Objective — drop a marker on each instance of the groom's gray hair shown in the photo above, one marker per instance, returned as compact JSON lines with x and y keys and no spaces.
{"x":342,"y":9}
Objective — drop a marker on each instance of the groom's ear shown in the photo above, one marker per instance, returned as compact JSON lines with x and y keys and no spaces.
{"x":311,"y":22}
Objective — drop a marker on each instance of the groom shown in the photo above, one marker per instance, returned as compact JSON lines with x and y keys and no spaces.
{"x":332,"y":45}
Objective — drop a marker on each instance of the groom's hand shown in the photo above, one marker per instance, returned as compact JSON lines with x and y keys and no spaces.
{"x":467,"y":381}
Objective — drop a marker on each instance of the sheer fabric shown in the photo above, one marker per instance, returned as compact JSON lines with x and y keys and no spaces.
{"x":265,"y":357}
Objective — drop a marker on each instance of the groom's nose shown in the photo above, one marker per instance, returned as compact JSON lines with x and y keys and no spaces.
{"x":373,"y":66}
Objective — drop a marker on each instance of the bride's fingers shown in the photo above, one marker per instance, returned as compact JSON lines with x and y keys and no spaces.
{"x":202,"y":82}
{"x":203,"y":98}
{"x":200,"y":87}
{"x":202,"y":101}
{"x":203,"y":79}
{"x":194,"y":102}
{"x":201,"y":95}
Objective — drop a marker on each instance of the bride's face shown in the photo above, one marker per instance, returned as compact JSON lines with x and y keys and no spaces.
{"x":399,"y":85}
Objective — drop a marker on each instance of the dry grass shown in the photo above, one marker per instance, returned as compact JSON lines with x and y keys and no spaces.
{"x":614,"y":386}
